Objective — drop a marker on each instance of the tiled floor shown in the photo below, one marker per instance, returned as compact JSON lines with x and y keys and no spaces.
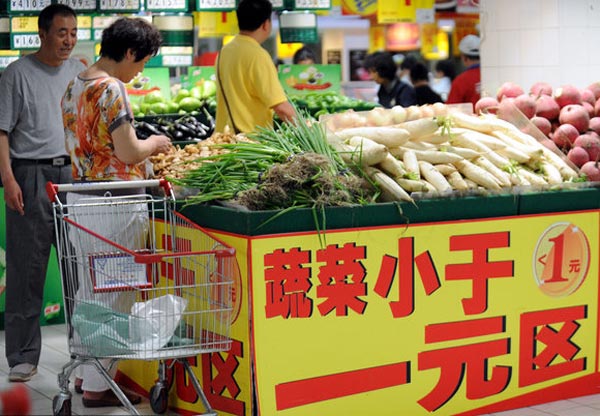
{"x":43,"y":386}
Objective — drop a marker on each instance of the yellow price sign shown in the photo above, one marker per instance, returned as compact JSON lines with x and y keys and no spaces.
{"x":214,"y":24}
{"x":395,"y":11}
{"x":24,"y":24}
{"x":84,"y":22}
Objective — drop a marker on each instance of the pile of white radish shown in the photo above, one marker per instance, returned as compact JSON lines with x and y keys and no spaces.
{"x":436,"y":151}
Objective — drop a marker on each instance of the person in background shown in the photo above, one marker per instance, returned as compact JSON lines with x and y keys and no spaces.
{"x":405,"y":66}
{"x":419,"y":76}
{"x":101,"y":139}
{"x":445,"y":73}
{"x":304,"y":56}
{"x":32,"y":152}
{"x":392,"y":91}
{"x":249,"y":91}
{"x":466,"y":87}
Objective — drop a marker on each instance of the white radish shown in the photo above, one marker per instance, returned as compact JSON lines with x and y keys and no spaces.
{"x":388,"y":136}
{"x":435,"y":156}
{"x":502,"y":176}
{"x":490,"y":141}
{"x":465,"y":139}
{"x":392,"y":166}
{"x":434,"y":177}
{"x":456,"y":180}
{"x":551,"y":173}
{"x":411,"y":185}
{"x":390,"y":190}
{"x":477,"y":174}
{"x":461,"y":151}
{"x":411,"y":164}
{"x":532,"y":177}
{"x":470,"y":122}
{"x":366,"y":151}
{"x":445,"y":168}
{"x":419,"y":127}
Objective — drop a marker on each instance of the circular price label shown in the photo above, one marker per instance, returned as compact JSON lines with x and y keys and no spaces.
{"x":561,"y":259}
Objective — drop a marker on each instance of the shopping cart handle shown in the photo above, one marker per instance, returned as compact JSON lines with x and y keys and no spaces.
{"x":52,"y":189}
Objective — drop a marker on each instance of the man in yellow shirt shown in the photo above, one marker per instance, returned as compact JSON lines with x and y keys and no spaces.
{"x":249,"y":91}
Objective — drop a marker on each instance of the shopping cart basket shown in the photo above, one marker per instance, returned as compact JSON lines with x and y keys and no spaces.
{"x":140,"y":281}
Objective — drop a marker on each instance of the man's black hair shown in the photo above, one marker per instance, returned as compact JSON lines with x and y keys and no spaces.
{"x":253,"y":13}
{"x":46,"y":16}
{"x":126,"y":33}
{"x":382,"y":63}
{"x":419,"y":72}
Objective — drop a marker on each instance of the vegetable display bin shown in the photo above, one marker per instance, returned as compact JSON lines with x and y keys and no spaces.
{"x":463,"y":306}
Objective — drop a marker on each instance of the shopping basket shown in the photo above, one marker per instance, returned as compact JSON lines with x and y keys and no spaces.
{"x":140,"y":281}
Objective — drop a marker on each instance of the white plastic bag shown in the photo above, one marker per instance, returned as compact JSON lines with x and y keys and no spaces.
{"x":152,"y":323}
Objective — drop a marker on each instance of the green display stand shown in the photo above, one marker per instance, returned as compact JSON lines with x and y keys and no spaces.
{"x":52,"y":312}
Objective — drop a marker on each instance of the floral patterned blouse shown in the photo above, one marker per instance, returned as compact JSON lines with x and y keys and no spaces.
{"x":92,"y":109}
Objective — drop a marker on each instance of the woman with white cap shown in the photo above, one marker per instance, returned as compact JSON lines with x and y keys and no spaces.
{"x":466,"y":87}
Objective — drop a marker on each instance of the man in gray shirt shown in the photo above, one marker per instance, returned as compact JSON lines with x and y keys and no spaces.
{"x":32,"y":152}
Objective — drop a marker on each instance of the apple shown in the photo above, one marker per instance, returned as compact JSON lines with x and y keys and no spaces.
{"x":578,"y":156}
{"x":564,"y":136}
{"x":486,"y":105}
{"x":591,"y":170}
{"x":595,"y":88}
{"x":509,"y":89}
{"x":590,"y":143}
{"x":525,"y":103}
{"x":543,"y":124}
{"x":595,"y":124}
{"x":588,"y":96}
{"x":547,"y":107}
{"x":567,"y":94}
{"x":576,"y":115}
{"x":540,"y":88}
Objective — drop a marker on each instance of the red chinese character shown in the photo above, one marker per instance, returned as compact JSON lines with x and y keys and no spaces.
{"x":342,"y":279}
{"x":480,"y":269}
{"x":406,"y":277}
{"x":470,"y":361}
{"x":547,"y":350}
{"x":288,"y":282}
{"x":214,"y":386}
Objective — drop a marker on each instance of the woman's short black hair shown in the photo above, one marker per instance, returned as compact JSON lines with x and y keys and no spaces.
{"x":382,"y":63}
{"x":46,"y":16}
{"x":303,"y":54}
{"x":127,"y":33}
{"x":253,"y":13}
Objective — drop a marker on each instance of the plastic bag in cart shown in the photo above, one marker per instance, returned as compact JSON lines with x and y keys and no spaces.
{"x":153,"y":323}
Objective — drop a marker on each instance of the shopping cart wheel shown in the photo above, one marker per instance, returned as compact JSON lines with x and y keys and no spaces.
{"x":61,"y":406}
{"x":158,"y":398}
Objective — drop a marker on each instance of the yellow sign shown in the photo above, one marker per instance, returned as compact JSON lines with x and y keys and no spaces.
{"x":24,"y":24}
{"x":9,"y":53}
{"x":376,"y":38}
{"x":216,"y":24}
{"x":359,"y":7}
{"x":437,"y":318}
{"x":84,"y":22}
{"x":434,"y":42}
{"x":395,"y":11}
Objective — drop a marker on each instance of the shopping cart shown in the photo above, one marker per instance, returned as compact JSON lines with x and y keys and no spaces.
{"x":140,"y":281}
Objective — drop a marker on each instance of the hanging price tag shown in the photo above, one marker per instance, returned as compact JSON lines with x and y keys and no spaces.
{"x":27,"y":5}
{"x":312,"y":4}
{"x":166,"y":5}
{"x":120,"y":5}
{"x":216,"y":5}
{"x":7,"y":60}
{"x":80,"y":5}
{"x":177,"y":60}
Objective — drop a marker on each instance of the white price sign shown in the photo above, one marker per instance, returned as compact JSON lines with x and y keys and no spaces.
{"x":216,"y":4}
{"x":84,"y":34}
{"x":277,"y":4}
{"x":313,"y":4}
{"x":425,"y":16}
{"x":29,"y":41}
{"x":28,"y":5}
{"x":166,"y":4}
{"x":119,"y":5}
{"x":177,"y":60}
{"x":80,"y":4}
{"x":7,"y":60}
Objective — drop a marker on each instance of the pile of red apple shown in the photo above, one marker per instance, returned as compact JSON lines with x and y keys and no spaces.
{"x":568,"y":115}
